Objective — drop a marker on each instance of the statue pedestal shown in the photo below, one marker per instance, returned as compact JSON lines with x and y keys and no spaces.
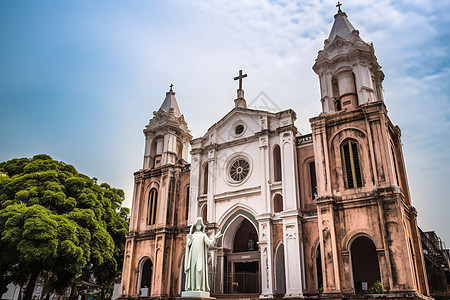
{"x":195,"y":295}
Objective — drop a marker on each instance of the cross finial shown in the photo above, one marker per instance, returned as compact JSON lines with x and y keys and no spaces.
{"x":339,"y":6}
{"x":240,"y":78}
{"x":171,"y":86}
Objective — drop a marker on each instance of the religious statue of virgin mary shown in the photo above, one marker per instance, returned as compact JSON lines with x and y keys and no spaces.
{"x":195,"y":265}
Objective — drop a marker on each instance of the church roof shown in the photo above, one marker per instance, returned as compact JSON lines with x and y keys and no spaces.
{"x":171,"y":102}
{"x":341,"y":27}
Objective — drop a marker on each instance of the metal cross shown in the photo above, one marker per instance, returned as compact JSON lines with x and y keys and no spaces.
{"x":240,"y":78}
{"x":171,"y":86}
{"x":339,"y":6}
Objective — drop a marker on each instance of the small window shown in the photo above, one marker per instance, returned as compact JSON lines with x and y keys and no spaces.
{"x":152,"y":199}
{"x":276,"y":163}
{"x":278,"y":203}
{"x":351,"y":162}
{"x":239,"y":129}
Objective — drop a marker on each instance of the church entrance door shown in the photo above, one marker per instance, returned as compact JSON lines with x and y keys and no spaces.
{"x":246,"y":277}
{"x":243,"y":262}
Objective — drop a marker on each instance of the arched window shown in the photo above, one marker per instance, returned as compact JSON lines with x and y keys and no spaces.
{"x":205,"y":213}
{"x":205,"y":179}
{"x":278,"y":203}
{"x":395,"y":166}
{"x":365,"y":267}
{"x":312,"y":179}
{"x":186,"y":208}
{"x":351,"y":162}
{"x":152,"y":199}
{"x":276,"y":163}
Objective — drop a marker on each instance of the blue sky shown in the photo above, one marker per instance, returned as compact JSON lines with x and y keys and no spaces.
{"x":79,"y":80}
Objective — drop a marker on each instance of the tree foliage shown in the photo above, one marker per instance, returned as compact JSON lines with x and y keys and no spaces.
{"x":57,"y":220}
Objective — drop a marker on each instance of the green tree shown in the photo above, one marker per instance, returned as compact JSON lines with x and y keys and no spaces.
{"x":57,"y":220}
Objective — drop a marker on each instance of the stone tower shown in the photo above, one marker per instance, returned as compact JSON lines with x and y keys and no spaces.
{"x":367,"y":225}
{"x":154,"y":244}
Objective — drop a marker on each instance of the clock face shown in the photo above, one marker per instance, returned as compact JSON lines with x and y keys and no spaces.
{"x":239,"y":170}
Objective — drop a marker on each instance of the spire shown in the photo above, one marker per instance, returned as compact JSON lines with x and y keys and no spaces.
{"x":171,"y":103}
{"x":341,"y":27}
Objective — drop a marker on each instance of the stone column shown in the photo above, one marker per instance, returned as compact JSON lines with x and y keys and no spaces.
{"x":328,"y":246}
{"x":211,"y":213}
{"x":265,"y":247}
{"x":293,"y":259}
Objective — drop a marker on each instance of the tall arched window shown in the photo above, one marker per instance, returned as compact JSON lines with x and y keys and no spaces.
{"x":152,"y":199}
{"x":205,"y":179}
{"x":395,"y":166}
{"x":312,"y":179}
{"x":351,"y":162}
{"x":278,"y":203}
{"x":276,"y":163}
{"x":187,"y":204}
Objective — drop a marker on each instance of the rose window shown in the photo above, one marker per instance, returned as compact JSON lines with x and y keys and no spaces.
{"x":239,"y":170}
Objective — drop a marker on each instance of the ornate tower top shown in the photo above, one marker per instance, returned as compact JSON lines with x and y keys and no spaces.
{"x":167,"y":134}
{"x":347,"y":67}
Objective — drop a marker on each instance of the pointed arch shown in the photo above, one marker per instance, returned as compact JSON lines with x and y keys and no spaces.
{"x":232,"y":223}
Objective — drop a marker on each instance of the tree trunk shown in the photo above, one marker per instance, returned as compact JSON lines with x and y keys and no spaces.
{"x":72,"y":291}
{"x":31,"y":284}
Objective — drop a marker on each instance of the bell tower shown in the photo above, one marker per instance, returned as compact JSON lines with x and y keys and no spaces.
{"x":349,"y":73}
{"x":369,"y":239}
{"x":159,"y":212}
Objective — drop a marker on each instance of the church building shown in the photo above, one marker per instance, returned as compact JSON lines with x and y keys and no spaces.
{"x":324,"y":215}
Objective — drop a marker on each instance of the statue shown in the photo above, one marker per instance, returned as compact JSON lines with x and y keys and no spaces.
{"x":195,"y":264}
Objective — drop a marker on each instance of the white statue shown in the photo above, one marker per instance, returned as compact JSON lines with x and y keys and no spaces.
{"x":195,"y":265}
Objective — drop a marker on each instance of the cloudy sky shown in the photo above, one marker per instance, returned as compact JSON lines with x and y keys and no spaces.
{"x":79,"y":80}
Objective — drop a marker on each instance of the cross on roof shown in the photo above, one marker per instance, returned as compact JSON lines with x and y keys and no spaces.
{"x":171,"y":86}
{"x":339,"y":6}
{"x":240,"y":78}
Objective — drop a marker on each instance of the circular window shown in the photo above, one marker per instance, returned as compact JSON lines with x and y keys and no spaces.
{"x":239,"y":129}
{"x":239,"y":170}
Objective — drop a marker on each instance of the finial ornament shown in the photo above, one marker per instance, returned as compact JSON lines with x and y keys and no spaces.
{"x":339,"y":4}
{"x":171,"y":86}
{"x":240,"y":78}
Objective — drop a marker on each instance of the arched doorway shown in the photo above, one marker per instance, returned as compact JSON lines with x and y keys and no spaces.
{"x":146,"y":274}
{"x":280,"y":275}
{"x":365,"y":267}
{"x":242,"y":271}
